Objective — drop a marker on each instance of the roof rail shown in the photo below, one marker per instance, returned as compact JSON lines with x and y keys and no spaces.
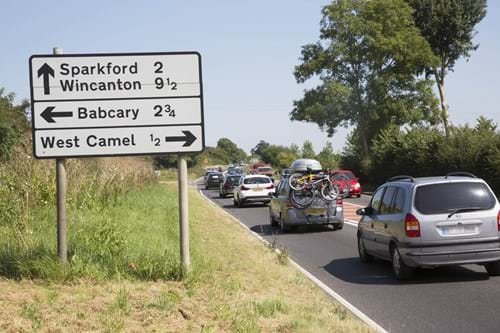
{"x":460,"y":173}
{"x":402,"y":177}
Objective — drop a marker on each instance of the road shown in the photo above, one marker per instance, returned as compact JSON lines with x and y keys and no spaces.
{"x":447,"y":299}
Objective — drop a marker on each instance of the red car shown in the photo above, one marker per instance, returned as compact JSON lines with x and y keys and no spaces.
{"x":348,"y":176}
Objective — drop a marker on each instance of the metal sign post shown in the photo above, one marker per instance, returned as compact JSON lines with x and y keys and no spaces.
{"x":183,"y":213}
{"x":93,"y":105}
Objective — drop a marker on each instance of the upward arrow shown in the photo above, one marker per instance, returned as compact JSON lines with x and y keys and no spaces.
{"x":46,"y":70}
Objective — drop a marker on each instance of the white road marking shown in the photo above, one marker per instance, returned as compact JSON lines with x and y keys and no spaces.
{"x":354,"y":310}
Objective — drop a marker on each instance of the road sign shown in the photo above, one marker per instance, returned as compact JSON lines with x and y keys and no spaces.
{"x":116,"y":104}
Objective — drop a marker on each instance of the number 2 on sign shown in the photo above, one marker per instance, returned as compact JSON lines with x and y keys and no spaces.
{"x":166,"y":109}
{"x":154,"y":140}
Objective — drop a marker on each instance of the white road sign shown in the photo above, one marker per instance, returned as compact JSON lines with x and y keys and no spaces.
{"x":116,"y":104}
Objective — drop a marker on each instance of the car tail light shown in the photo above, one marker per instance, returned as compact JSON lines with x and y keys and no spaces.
{"x":270,"y":187}
{"x":412,"y":226}
{"x":288,"y":204}
{"x":243,"y":188}
{"x":227,"y":185}
{"x":498,"y":220}
{"x":340,"y":202}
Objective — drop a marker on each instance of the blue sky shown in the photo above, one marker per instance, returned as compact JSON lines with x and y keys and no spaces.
{"x":249,"y":51}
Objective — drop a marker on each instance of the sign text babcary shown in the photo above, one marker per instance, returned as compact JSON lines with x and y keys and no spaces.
{"x":116,"y":104}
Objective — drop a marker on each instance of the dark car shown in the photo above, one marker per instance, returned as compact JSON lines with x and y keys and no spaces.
{"x":227,"y":186}
{"x":213,"y":180}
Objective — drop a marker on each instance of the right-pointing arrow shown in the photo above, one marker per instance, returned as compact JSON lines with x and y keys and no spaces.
{"x":46,"y":70}
{"x":188,"y":137}
{"x":49,"y":115}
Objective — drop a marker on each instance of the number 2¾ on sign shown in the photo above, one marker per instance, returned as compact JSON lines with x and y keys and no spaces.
{"x":164,"y":110}
{"x":161,"y":82}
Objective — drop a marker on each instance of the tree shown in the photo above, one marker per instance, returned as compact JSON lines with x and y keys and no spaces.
{"x":367,"y":59}
{"x":259,"y":148}
{"x":327,"y":157}
{"x":13,"y":123}
{"x":307,"y":150}
{"x":233,"y":153}
{"x":448,"y":26}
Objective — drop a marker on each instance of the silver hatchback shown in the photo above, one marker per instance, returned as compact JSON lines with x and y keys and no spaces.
{"x":428,"y":222}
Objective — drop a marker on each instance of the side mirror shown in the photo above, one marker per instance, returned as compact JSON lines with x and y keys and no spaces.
{"x":365,"y":211}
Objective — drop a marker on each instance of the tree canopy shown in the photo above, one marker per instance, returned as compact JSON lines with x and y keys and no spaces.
{"x":367,"y":59}
{"x":13,"y":123}
{"x":448,"y":26}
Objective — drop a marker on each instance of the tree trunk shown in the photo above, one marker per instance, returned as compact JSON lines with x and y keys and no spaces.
{"x":444,"y":106}
{"x":363,"y":139}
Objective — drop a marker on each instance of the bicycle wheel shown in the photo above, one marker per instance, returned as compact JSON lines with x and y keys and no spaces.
{"x":329,"y":192}
{"x":302,"y":199}
{"x":297,"y":182}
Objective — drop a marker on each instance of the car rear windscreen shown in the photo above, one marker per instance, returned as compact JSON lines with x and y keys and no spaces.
{"x":264,"y":169}
{"x":256,"y":180}
{"x":233,"y":180}
{"x":448,"y":197}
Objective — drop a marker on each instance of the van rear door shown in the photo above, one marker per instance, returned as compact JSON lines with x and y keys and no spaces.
{"x":455,"y":211}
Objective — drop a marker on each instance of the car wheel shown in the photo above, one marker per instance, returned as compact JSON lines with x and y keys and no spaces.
{"x":493,"y":268}
{"x":283,"y":227}
{"x":240,"y":202}
{"x":272,"y":221}
{"x":222,"y":195}
{"x":364,"y":256}
{"x":400,"y":269}
{"x":358,"y":196}
{"x":235,"y":202}
{"x":338,"y":226}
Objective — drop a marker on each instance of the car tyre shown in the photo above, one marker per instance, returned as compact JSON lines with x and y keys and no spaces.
{"x":358,"y":196}
{"x":222,"y":195}
{"x":240,"y":203}
{"x":272,"y":221}
{"x":338,"y":226}
{"x":235,"y":202}
{"x":364,"y":256}
{"x":283,"y":227}
{"x":401,"y":270}
{"x":493,"y":268}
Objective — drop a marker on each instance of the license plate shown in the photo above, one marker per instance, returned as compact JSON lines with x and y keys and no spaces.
{"x":459,"y":230}
{"x":315,"y":211}
{"x":256,"y":189}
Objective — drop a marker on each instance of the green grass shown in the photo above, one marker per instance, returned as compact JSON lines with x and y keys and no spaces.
{"x":124,"y":275}
{"x":104,"y":243}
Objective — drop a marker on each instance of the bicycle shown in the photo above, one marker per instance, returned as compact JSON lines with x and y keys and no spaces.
{"x":305,"y":186}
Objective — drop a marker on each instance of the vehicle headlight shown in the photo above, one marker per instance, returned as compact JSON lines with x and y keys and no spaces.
{"x":357,"y":185}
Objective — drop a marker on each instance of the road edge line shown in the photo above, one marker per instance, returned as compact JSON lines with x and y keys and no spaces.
{"x":354,"y":310}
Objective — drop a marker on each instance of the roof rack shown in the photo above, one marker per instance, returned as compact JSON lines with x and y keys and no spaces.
{"x":460,"y":173}
{"x":402,"y":177}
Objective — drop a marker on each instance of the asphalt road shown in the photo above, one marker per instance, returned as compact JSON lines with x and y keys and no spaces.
{"x":448,"y":299}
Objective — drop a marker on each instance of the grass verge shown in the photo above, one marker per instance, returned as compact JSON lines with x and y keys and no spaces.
{"x":237,"y":284}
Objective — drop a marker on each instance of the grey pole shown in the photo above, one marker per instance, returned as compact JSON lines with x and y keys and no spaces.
{"x":183,"y":213}
{"x":62,"y":246}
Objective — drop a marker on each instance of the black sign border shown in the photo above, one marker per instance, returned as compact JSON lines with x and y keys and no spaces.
{"x":74,"y":55}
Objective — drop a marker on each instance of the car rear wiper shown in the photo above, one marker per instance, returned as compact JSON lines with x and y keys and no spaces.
{"x":463,"y":210}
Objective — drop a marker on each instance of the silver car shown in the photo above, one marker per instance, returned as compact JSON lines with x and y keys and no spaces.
{"x":282,"y":212}
{"x":429,"y":222}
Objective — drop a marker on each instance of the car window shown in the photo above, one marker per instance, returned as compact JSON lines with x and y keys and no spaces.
{"x":349,"y":175}
{"x":377,"y":199}
{"x":447,"y":197}
{"x":386,"y":202}
{"x":233,"y":180}
{"x":256,"y":180}
{"x":398,"y":203}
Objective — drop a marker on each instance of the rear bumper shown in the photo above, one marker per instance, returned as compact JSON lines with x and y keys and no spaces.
{"x":458,"y":254}
{"x":256,"y":198}
{"x":292,"y":218}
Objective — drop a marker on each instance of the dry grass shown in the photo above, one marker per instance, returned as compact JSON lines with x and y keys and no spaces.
{"x":242,"y":288}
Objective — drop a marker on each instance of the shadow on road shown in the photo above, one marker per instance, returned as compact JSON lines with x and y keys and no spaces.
{"x":380,"y":273}
{"x":267,"y":230}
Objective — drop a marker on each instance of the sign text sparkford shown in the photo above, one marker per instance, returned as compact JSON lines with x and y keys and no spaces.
{"x":109,"y":68}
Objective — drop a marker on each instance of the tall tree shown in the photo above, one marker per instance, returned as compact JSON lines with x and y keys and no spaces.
{"x":327,"y":157}
{"x":448,"y":26}
{"x":366,"y":60}
{"x":233,"y":152}
{"x":307,"y":150}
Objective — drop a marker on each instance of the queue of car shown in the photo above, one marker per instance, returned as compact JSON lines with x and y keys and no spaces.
{"x":410,"y":222}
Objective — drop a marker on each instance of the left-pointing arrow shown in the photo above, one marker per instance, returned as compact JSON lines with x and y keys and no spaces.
{"x":46,"y":70}
{"x":49,"y":115}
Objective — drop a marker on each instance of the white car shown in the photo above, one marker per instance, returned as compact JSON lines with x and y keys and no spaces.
{"x":253,"y":188}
